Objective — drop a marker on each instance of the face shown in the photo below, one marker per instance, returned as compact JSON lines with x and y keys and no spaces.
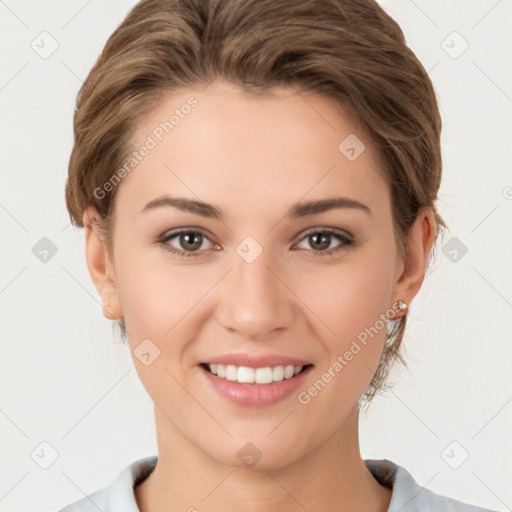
{"x":255,"y":278}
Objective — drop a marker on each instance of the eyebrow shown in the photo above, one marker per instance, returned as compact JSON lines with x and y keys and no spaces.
{"x":298,"y":210}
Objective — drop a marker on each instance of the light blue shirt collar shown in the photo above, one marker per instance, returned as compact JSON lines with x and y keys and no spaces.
{"x":407,"y":494}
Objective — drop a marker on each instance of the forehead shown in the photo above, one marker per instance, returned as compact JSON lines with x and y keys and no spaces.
{"x":261,"y":148}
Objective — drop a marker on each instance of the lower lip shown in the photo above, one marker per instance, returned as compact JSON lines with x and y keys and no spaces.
{"x":255,"y":395}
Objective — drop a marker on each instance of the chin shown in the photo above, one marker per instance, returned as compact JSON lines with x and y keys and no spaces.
{"x":255,"y":454}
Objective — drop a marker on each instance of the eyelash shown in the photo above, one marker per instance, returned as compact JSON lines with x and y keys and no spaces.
{"x":345,"y":239}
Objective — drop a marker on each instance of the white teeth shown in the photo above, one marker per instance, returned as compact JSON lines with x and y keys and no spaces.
{"x":231,"y":372}
{"x":244,"y":374}
{"x":278,"y":373}
{"x":263,"y":375}
{"x":221,"y":370}
{"x":288,"y":371}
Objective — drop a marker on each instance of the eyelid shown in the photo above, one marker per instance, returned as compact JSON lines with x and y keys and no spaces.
{"x":163,"y":241}
{"x":171,"y":233}
{"x":321,"y":229}
{"x":326,"y":229}
{"x":179,"y":231}
{"x":345,"y":238}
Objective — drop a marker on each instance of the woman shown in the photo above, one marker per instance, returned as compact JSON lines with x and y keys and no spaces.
{"x":257,"y":181}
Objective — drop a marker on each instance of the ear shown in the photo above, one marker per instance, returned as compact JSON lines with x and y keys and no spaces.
{"x":100,"y":267}
{"x":411,"y":269}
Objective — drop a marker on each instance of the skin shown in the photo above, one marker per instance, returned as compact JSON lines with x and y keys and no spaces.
{"x":253,"y":157}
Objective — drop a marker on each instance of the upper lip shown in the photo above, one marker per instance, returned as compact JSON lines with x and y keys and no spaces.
{"x":256,"y":361}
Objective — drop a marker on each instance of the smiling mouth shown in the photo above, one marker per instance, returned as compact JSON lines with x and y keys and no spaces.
{"x":247,"y":375}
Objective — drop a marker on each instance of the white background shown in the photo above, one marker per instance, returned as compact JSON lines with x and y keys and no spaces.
{"x":68,"y":382}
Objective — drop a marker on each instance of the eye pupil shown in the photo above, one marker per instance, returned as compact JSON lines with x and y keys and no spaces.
{"x":191,"y":242}
{"x":191,"y":238}
{"x":323,"y":238}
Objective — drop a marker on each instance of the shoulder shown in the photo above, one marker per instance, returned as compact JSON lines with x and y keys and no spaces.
{"x":409,"y":496}
{"x":119,"y":495}
{"x":91,"y":503}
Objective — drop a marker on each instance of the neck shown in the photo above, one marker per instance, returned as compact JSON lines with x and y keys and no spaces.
{"x":185,"y":478}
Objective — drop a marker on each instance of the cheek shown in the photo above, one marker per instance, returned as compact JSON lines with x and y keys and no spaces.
{"x":153,"y":293}
{"x":162,"y":302}
{"x":359,"y":295}
{"x":350,"y":296}
{"x":355,"y":315}
{"x":157,"y":302}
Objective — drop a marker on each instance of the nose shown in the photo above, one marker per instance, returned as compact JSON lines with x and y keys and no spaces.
{"x":257,"y":302}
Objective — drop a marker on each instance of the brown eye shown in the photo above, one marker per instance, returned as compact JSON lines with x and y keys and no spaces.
{"x":188,"y":243}
{"x":320,"y":241}
{"x":192,"y":241}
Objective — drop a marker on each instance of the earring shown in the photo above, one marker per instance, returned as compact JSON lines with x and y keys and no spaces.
{"x":400,"y":305}
{"x":105,"y":303}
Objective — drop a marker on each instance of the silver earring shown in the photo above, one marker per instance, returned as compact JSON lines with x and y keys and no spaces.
{"x":400,"y":305}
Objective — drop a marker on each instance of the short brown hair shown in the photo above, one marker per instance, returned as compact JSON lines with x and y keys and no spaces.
{"x":350,"y":51}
